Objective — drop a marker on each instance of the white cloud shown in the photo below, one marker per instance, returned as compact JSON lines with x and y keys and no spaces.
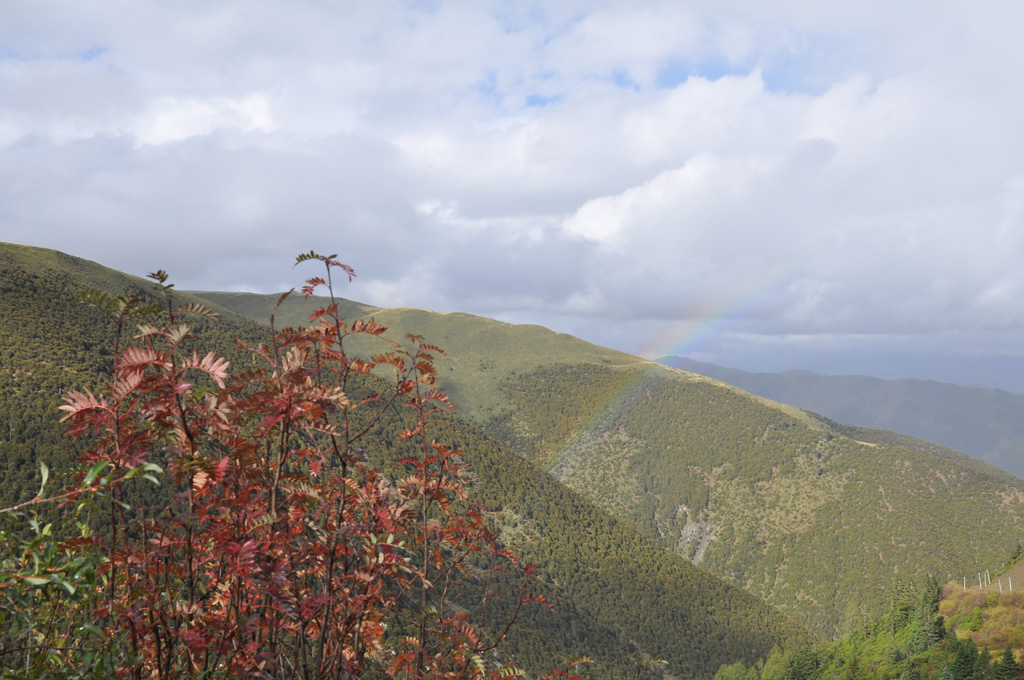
{"x":814,"y":170}
{"x":173,"y":120}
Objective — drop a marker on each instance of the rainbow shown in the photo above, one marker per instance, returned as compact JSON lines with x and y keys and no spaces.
{"x":683,"y":339}
{"x":719,"y":316}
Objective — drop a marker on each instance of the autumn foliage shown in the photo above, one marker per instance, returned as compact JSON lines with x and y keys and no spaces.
{"x":274,"y":548}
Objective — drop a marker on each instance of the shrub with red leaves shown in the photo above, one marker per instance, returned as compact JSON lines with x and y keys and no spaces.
{"x":282,"y":552}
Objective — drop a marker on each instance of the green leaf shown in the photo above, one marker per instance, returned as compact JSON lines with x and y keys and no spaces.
{"x":160,"y":276}
{"x":91,"y":629}
{"x":68,"y":588}
{"x":94,"y":471}
{"x":44,"y":472}
{"x":312,"y":255}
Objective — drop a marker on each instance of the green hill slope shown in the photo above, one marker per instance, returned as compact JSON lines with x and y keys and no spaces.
{"x":986,"y":423}
{"x":813,"y":516}
{"x":811,"y":520}
{"x":615,"y":590}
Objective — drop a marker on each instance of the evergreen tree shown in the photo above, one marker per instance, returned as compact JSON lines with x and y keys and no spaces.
{"x":928,"y":627}
{"x":909,"y":673}
{"x":901,"y":601}
{"x":931,"y":591}
{"x":852,"y":670}
{"x":983,"y":665}
{"x":966,"y":660}
{"x":1008,"y":667}
{"x":802,"y":664}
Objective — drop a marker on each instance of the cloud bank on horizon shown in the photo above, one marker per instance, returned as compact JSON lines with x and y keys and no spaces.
{"x":763,"y":185}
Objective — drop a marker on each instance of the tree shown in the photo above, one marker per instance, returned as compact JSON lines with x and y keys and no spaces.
{"x":276,"y":548}
{"x":1007,"y":668}
{"x":983,"y":666}
{"x":966,"y":659}
{"x":909,"y":673}
{"x":928,"y":626}
{"x":901,"y":602}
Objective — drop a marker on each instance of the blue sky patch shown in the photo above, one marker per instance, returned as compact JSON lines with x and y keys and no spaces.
{"x":539,"y":100}
{"x":678,"y":71}
{"x":92,"y":53}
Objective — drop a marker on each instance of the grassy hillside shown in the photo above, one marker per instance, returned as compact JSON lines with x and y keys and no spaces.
{"x":615,"y":590}
{"x":986,"y":423}
{"x":810,"y":515}
{"x":811,"y":520}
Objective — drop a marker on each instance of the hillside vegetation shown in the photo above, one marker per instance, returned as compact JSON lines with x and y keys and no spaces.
{"x":927,"y":633}
{"x":616,"y":591}
{"x":810,"y":515}
{"x":810,"y":520}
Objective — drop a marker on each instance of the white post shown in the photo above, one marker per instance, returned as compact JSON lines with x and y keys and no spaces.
{"x":979,"y":581}
{"x":965,"y":584}
{"x":988,"y":577}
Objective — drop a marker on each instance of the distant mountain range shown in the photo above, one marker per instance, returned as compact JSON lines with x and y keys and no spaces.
{"x":985,"y":423}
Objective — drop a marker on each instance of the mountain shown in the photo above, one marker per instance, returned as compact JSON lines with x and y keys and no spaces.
{"x":616,"y":591}
{"x":812,"y":516}
{"x":986,"y":423}
{"x":783,"y":504}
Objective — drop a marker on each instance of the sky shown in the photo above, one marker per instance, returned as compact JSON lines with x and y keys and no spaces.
{"x":833,"y":186}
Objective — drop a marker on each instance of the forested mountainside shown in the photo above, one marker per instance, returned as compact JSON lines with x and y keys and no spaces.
{"x":49,"y":344}
{"x":810,"y":520}
{"x":813,"y":516}
{"x":616,"y":591}
{"x":987,"y":423}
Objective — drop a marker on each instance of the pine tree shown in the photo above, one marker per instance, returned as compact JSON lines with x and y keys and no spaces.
{"x":966,"y":659}
{"x":901,"y":600}
{"x":1008,"y":667}
{"x":909,"y":673}
{"x":927,"y":628}
{"x":983,"y":665}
